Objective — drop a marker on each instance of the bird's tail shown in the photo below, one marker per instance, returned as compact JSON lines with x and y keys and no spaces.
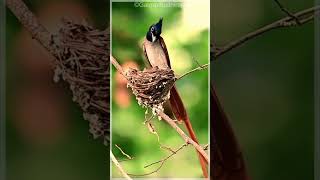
{"x":180,"y":113}
{"x":228,"y":162}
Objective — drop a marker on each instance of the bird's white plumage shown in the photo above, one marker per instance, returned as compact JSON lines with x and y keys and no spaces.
{"x":155,"y":54}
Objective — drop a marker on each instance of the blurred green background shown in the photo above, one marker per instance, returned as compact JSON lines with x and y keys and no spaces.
{"x":46,"y":135}
{"x":266,"y":87}
{"x":185,"y":31}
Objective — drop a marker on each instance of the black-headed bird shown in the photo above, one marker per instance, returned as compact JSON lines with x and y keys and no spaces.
{"x":156,"y":54}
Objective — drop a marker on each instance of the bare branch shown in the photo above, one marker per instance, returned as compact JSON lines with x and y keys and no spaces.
{"x":186,"y":138}
{"x":303,"y":16}
{"x":31,"y":23}
{"x":162,"y":161}
{"x":122,"y":152}
{"x":117,"y":65}
{"x":287,"y":12}
{"x":118,"y":165}
{"x":201,"y":67}
{"x":206,"y":147}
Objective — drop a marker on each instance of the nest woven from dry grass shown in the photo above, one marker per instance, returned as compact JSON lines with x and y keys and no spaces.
{"x":151,"y":86}
{"x":84,"y":64}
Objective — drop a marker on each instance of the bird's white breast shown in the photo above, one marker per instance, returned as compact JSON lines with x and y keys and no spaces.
{"x":156,"y":55}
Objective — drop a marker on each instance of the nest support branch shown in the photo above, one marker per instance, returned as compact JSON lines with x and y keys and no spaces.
{"x":151,"y":88}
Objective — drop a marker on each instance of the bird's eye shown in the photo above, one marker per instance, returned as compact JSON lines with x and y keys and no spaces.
{"x":152,"y":28}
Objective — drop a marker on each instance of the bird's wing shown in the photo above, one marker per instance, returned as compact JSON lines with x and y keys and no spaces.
{"x":164,"y":47}
{"x":146,"y":59}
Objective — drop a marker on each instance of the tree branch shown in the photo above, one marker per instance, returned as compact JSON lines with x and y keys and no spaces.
{"x":162,"y":161}
{"x":31,"y":23}
{"x":303,"y":17}
{"x":116,"y":65}
{"x":123,"y":153}
{"x":186,"y":138}
{"x":201,"y":67}
{"x":115,"y":161}
{"x":287,"y":12}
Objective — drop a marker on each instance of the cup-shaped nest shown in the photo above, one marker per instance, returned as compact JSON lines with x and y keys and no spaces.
{"x":151,"y":86}
{"x":83,"y":62}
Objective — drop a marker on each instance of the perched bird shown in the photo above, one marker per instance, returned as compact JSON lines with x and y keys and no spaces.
{"x":156,"y":54}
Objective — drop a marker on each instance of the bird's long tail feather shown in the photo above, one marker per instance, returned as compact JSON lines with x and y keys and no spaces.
{"x":228,"y":162}
{"x":180,"y":113}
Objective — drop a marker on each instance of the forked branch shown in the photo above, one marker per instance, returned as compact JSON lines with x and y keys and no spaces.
{"x":186,"y":138}
{"x":296,"y":19}
{"x":118,"y":165}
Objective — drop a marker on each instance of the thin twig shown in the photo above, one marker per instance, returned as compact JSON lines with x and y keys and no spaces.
{"x":162,"y":161}
{"x":167,"y":148}
{"x":173,"y":152}
{"x":118,"y":165}
{"x":201,"y":67}
{"x":186,"y":138}
{"x":147,"y":119}
{"x":304,"y":16}
{"x":206,"y":147}
{"x":197,"y":62}
{"x":123,"y":153}
{"x":287,"y":12}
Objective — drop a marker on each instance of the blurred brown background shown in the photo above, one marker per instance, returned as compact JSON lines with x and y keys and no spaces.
{"x":46,"y":135}
{"x":266,"y":87}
